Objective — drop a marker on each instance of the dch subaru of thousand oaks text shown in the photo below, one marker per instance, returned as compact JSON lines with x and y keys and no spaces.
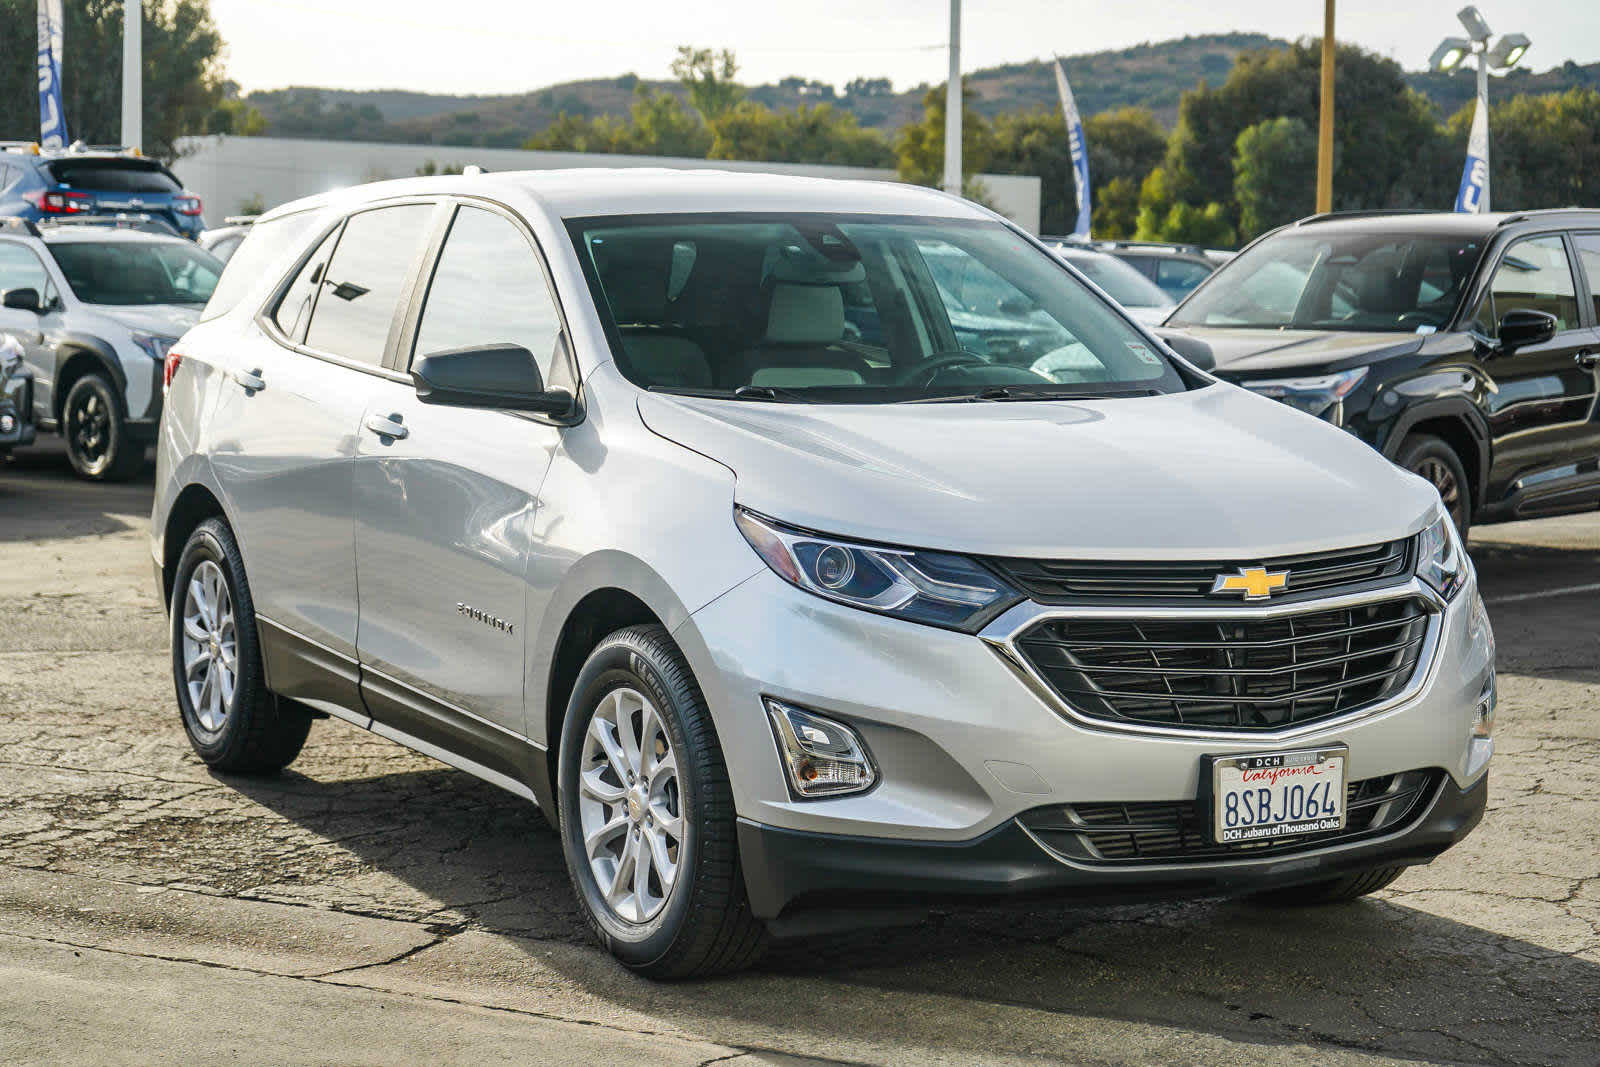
{"x":674,"y":504}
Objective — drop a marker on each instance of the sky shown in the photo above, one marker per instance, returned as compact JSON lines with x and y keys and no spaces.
{"x":503,"y":46}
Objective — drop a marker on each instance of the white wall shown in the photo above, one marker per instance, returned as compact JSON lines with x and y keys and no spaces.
{"x":227,"y":171}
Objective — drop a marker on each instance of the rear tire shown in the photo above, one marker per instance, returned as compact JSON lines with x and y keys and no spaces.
{"x":233,"y":721}
{"x":1332,"y":891}
{"x":615,"y":796}
{"x":1431,"y":458}
{"x":98,"y":445}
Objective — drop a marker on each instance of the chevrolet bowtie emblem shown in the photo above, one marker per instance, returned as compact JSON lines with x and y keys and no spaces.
{"x":1255,"y":583}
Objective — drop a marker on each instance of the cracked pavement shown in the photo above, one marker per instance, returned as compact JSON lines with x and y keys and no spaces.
{"x":372,"y":905}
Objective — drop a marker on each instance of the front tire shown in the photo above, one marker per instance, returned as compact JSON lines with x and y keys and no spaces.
{"x":233,"y":721}
{"x":1331,"y":891}
{"x":98,"y":445}
{"x":1432,"y":458}
{"x":647,"y":817}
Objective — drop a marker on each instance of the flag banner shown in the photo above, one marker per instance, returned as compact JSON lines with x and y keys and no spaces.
{"x":1080,"y":149}
{"x":52,"y":117}
{"x":1473,"y":197}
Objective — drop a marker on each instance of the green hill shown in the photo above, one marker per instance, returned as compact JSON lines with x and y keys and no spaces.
{"x":1152,"y":76}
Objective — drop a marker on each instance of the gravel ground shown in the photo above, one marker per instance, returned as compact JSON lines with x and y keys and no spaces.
{"x":371,"y":905}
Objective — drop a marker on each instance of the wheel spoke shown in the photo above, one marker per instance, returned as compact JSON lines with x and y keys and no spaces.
{"x":666,"y":870}
{"x":624,"y":874}
{"x":613,"y":751}
{"x":668,"y":823}
{"x":665,"y":770}
{"x":625,"y":732}
{"x":193,"y":630}
{"x":605,"y":834}
{"x":200,"y":661}
{"x":643,"y":861}
{"x":592,"y":784}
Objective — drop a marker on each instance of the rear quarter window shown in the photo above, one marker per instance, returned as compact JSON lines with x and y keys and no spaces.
{"x":114,"y":176}
{"x":263,"y":246}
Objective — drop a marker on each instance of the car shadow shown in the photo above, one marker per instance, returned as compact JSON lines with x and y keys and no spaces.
{"x":1377,"y":974}
{"x":1542,"y":629}
{"x":41,"y":497}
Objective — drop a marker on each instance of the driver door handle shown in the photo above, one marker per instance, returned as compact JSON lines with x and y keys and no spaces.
{"x":251,"y":380}
{"x":1588,"y":359}
{"x":387,"y":426}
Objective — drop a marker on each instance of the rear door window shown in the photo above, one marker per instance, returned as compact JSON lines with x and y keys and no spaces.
{"x":1589,"y":256}
{"x":114,"y":176}
{"x":263,"y":245}
{"x":358,"y":294}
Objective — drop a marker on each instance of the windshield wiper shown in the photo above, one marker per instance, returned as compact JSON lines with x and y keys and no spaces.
{"x":743,"y":392}
{"x":1001,"y":393}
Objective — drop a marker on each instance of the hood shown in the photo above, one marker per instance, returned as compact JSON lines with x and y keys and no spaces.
{"x":164,"y":320}
{"x":1252,"y":353}
{"x":1215,"y":473}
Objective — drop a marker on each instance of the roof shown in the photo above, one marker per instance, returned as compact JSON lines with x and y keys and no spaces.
{"x":1445,"y":222}
{"x":60,"y":235}
{"x":583,"y":191}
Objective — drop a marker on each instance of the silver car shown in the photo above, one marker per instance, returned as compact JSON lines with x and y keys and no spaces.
{"x":678,"y":505}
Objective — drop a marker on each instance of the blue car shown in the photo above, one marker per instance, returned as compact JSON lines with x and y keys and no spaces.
{"x":52,"y":184}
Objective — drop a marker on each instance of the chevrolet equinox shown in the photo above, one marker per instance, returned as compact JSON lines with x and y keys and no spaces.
{"x":800,"y":547}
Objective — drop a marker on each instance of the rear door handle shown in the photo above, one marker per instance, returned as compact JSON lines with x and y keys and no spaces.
{"x":1587,"y":360}
{"x":250,"y":379}
{"x":387,"y":426}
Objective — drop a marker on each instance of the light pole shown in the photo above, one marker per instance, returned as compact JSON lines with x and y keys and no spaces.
{"x":132,"y":74}
{"x":1325,"y":117}
{"x":1503,"y":54}
{"x":952,"y":106}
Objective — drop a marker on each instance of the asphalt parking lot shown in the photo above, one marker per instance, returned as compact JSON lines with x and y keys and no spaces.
{"x":374,"y":906}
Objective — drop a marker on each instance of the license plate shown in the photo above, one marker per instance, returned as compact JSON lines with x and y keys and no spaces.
{"x":1266,"y":796}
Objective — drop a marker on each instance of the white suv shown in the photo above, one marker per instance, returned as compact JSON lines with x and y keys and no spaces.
{"x":700,"y":511}
{"x":95,"y":306}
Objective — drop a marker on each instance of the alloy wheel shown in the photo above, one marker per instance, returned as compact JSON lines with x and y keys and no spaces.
{"x":630,"y":806}
{"x":1444,"y":479}
{"x":210,"y":647}
{"x":89,"y":428}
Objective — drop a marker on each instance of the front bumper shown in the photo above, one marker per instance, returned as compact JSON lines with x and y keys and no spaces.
{"x":788,"y":870}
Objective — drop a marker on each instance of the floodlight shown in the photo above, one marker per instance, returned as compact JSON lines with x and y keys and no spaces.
{"x":1508,"y":51}
{"x":1449,"y":54}
{"x":1476,"y":28}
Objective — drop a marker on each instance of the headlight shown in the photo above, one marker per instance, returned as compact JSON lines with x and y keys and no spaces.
{"x":930,"y":587}
{"x":1441,"y":560}
{"x":154,"y":345}
{"x":1314,"y":396}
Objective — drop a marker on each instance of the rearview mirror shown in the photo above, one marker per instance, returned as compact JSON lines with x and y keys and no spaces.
{"x":489,"y":376}
{"x":1521,"y":328}
{"x":23,"y":300}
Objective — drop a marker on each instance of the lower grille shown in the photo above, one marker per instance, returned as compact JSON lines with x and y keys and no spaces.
{"x":1233,"y":672}
{"x":1127,"y":834}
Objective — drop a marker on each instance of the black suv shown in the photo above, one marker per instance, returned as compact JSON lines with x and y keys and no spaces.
{"x":1463,"y":347}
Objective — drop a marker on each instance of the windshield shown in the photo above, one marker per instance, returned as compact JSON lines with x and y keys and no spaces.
{"x":1121,"y":282}
{"x":136,"y":272}
{"x":1316,"y":280}
{"x":854,"y":309}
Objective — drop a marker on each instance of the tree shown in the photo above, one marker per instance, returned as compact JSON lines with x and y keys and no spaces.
{"x":919,"y":146}
{"x":1116,"y":209}
{"x":708,"y":75}
{"x":1275,"y":171}
{"x":183,"y":83}
{"x":806,"y":134}
{"x":1162,"y":217}
{"x":1544,"y":151}
{"x":658,"y":125}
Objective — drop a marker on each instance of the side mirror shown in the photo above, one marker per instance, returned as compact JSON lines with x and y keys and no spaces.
{"x":1521,"y":328}
{"x":490,"y":376}
{"x":1190,"y":348}
{"x":23,"y":300}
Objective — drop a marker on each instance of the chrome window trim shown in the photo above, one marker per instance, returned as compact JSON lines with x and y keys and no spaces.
{"x":1001,"y":636}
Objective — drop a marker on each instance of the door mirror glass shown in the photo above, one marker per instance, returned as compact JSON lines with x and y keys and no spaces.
{"x":24,"y":300}
{"x":502,"y":376}
{"x":1522,"y":327}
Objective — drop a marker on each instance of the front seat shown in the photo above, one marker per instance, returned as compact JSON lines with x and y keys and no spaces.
{"x":657,"y":354}
{"x":804,"y":324}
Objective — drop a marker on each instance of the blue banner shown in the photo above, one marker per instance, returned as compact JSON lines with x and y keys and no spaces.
{"x":52,"y":115}
{"x":1079,"y":148}
{"x":1473,"y":197}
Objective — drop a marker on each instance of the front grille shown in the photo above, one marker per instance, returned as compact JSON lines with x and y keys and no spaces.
{"x":1128,"y":834}
{"x":1091,"y":581}
{"x":1235,"y":673}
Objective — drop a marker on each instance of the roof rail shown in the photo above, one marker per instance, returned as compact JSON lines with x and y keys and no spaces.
{"x":239,"y":220}
{"x":1368,"y":213}
{"x":22,"y":225}
{"x":29,"y":147}
{"x":121,"y":220}
{"x":1540,"y":212}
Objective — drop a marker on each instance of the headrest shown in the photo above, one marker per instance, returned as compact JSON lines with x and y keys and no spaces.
{"x":805,"y":314}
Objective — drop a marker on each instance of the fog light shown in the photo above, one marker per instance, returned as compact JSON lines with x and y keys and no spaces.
{"x":7,"y":423}
{"x":823,"y":758}
{"x":1483,"y":720}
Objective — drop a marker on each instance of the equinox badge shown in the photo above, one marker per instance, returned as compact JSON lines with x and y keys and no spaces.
{"x":1255,"y":583}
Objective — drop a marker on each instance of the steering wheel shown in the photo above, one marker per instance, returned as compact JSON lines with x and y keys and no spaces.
{"x":933,"y":365}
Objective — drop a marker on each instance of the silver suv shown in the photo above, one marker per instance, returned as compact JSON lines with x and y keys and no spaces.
{"x":95,"y":306}
{"x":693,"y":509}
